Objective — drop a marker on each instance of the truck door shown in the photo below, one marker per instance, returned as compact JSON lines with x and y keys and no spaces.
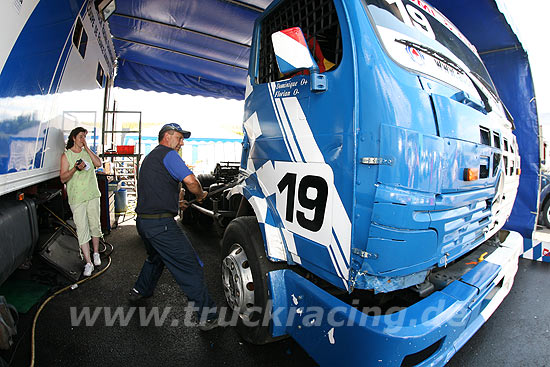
{"x":304,"y":153}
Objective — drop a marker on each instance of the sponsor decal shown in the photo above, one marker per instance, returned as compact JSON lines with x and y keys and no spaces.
{"x":416,"y":55}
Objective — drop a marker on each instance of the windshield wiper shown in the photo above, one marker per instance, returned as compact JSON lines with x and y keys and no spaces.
{"x":493,"y":92}
{"x":449,"y":62}
{"x":486,"y":85}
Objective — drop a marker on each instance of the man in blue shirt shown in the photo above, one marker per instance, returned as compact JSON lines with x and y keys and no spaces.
{"x":167,"y":245}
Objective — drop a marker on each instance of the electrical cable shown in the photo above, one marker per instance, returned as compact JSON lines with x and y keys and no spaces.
{"x":72,"y":286}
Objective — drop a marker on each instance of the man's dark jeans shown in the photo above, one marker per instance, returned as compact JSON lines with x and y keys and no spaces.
{"x":167,"y":245}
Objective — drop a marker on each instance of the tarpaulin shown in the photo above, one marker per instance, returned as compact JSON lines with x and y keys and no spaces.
{"x":507,"y":62}
{"x":511,"y":68}
{"x":202,"y":43}
{"x":138,"y":76}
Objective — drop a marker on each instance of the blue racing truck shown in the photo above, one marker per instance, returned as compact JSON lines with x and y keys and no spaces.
{"x":378,"y":168}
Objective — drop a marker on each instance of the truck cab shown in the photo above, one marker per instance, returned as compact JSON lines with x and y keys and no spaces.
{"x":404,"y":160}
{"x":377,"y":156}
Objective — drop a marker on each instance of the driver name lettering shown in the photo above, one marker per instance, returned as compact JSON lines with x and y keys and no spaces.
{"x":279,"y":94}
{"x":289,"y":88}
{"x":286,"y":85}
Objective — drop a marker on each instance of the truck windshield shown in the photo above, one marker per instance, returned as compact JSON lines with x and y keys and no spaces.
{"x":402,"y":23}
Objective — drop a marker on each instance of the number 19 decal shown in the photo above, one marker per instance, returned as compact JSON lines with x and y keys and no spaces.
{"x":312,"y":195}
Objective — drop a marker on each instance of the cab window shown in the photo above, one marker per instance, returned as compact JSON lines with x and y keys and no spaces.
{"x":319,"y":23}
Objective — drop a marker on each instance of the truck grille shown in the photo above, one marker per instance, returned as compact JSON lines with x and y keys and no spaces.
{"x":460,"y":228}
{"x":426,"y":233}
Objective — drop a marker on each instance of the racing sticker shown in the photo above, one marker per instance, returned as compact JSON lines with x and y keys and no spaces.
{"x":303,"y":195}
{"x":416,"y":55}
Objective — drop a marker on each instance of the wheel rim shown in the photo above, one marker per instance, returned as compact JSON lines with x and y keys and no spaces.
{"x":238,"y":283}
{"x":547,"y":214}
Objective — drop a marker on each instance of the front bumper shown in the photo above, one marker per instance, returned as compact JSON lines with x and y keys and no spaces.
{"x":426,"y":333}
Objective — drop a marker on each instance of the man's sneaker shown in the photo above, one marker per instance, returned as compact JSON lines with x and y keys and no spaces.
{"x":97,"y":260}
{"x":135,"y":296}
{"x":209,"y":324}
{"x":88,"y":268}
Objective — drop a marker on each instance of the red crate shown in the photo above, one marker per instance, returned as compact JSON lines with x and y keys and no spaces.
{"x":125,"y":149}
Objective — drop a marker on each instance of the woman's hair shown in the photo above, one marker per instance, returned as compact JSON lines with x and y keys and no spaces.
{"x":73,"y":134}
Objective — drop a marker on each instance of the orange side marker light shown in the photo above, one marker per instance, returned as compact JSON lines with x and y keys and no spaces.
{"x":471,"y":174}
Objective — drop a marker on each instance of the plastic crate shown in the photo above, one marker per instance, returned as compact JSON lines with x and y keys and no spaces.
{"x":125,"y":149}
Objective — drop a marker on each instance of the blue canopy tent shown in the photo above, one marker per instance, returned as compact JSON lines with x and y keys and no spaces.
{"x":201,"y":47}
{"x":507,"y":62}
{"x":188,"y":47}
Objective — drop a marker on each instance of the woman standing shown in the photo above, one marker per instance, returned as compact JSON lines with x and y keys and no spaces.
{"x":78,"y":165}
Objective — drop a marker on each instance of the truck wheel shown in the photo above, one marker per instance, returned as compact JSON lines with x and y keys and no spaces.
{"x":206,"y":179}
{"x":546,"y":214}
{"x":244,"y":277}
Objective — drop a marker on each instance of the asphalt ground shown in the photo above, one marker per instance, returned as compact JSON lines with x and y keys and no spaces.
{"x":518,"y":333}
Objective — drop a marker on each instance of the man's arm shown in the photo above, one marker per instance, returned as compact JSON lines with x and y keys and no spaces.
{"x":179,"y":171}
{"x":195,"y":187}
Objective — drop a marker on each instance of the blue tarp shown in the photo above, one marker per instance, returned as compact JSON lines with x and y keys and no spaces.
{"x":138,"y":76}
{"x":201,"y":47}
{"x":195,"y":47}
{"x":506,"y":60}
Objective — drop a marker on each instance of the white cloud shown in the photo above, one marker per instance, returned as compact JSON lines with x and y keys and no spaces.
{"x":529,"y":20}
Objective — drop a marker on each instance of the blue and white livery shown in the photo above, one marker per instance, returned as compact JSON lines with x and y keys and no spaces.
{"x":54,"y":64}
{"x":387,"y":166}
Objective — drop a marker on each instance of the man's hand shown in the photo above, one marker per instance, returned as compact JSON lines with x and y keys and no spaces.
{"x":194,"y":186}
{"x":184,"y":204}
{"x":201,"y":197}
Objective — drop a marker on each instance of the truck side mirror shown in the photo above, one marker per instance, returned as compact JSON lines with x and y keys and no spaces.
{"x":293,"y":55}
{"x":291,"y":51}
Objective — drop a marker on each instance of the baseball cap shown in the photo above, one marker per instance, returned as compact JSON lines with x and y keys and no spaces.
{"x":175,"y":127}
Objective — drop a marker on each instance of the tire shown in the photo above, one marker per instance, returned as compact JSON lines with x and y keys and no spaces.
{"x":219,"y":229}
{"x":546,"y":214}
{"x":206,"y":179}
{"x":244,"y":278}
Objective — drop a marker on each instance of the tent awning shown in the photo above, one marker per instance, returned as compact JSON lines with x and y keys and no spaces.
{"x":197,"y":47}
